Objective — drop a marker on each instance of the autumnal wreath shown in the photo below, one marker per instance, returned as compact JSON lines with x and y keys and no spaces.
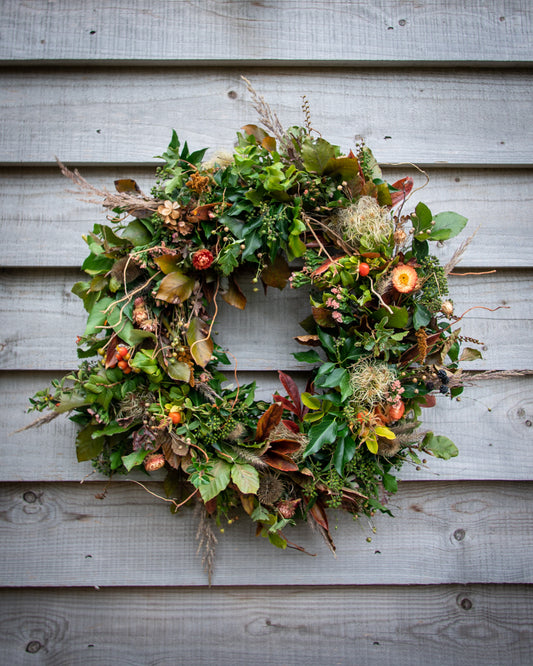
{"x":380,"y":337}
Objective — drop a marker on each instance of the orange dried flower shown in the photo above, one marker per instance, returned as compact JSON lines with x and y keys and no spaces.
{"x":202,"y":259}
{"x":404,"y":278}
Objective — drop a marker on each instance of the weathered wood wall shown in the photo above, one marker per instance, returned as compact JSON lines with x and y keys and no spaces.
{"x":442,"y":83}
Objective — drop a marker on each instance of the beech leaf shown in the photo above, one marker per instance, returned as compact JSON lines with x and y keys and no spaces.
{"x":221,"y":473}
{"x":175,"y":288}
{"x":167,"y":263}
{"x":233,"y":295}
{"x":126,"y":185}
{"x":277,"y":273}
{"x":201,"y":346}
{"x":245,"y":477}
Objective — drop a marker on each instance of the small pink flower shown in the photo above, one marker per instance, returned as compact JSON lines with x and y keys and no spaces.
{"x":337,"y":316}
{"x":332,"y":303}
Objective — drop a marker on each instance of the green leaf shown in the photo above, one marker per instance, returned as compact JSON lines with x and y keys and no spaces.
{"x":421,"y":316}
{"x":221,"y":474}
{"x":398,"y":318}
{"x":134,"y":459}
{"x":137,"y":233}
{"x":277,"y":540}
{"x":88,"y":448}
{"x":310,"y":356}
{"x":97,"y":316}
{"x":316,"y":154}
{"x":201,"y":347}
{"x":245,"y":477}
{"x":344,"y":452}
{"x":95,"y":264}
{"x":320,"y":434}
{"x":332,"y":379}
{"x":440,"y":446}
{"x":175,"y":288}
{"x":390,"y":482}
{"x":178,"y":370}
{"x":345,"y":387}
{"x":422,"y":219}
{"x":447,"y":225}
{"x":310,"y":401}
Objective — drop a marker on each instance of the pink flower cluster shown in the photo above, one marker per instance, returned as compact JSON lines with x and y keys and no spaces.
{"x":394,"y":395}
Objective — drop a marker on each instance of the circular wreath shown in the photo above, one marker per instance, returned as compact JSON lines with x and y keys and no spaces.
{"x":294,"y":209}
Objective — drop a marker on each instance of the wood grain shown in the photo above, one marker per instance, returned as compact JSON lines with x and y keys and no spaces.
{"x":42,"y":319}
{"x":408,"y":626}
{"x":446,"y":532}
{"x":286,"y":33}
{"x":491,"y":425}
{"x":124,"y":116}
{"x":43,"y":223}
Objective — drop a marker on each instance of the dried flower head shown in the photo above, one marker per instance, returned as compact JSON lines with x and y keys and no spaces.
{"x":370,"y":382}
{"x":202,"y":259}
{"x":154,"y":462}
{"x":404,"y":278}
{"x":447,"y":308}
{"x":365,"y":223}
{"x":270,"y":489}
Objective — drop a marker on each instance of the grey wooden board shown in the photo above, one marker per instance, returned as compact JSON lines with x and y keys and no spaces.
{"x":43,"y":222}
{"x":42,"y":319}
{"x":478,"y":625}
{"x":283,"y":31}
{"x":124,"y":115}
{"x":492,"y":444}
{"x":446,"y":532}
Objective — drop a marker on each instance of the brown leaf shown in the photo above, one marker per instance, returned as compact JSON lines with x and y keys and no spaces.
{"x":126,"y":185}
{"x":404,"y":185}
{"x":284,"y":446}
{"x":172,"y":459}
{"x":292,"y":391}
{"x":248,"y":503}
{"x":200,"y":213}
{"x":167,"y":263}
{"x":318,"y":512}
{"x":268,"y":421}
{"x":234,"y":296}
{"x":111,"y":358}
{"x":430,"y":401}
{"x":201,"y":346}
{"x":323,"y":317}
{"x":277,"y":273}
{"x":269,"y":143}
{"x":179,"y":447}
{"x":282,"y":463}
{"x":324,"y":267}
{"x":308,"y":340}
{"x":254,"y":130}
{"x":211,"y":506}
{"x":175,"y":288}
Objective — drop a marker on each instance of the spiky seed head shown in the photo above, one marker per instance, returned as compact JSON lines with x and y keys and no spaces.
{"x":270,"y":489}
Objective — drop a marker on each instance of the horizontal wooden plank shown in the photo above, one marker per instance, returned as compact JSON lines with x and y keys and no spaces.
{"x":491,"y":425}
{"x":42,"y":319}
{"x":288,"y":32}
{"x":449,"y":624}
{"x":95,"y":116}
{"x":61,"y":535}
{"x":44,"y":223}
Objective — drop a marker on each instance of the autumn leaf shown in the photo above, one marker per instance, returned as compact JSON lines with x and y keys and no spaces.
{"x":268,"y":421}
{"x":201,"y":345}
{"x":126,"y":185}
{"x":175,"y":288}
{"x":283,"y":463}
{"x":167,"y":263}
{"x":233,"y":295}
{"x":277,"y":273}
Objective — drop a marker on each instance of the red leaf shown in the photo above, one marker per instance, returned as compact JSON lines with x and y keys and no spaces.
{"x":291,"y":425}
{"x":324,"y":267}
{"x":287,"y":404}
{"x":111,"y":358}
{"x":284,"y":447}
{"x":430,"y":401}
{"x":292,"y":391}
{"x":405,"y":185}
{"x":279,"y":462}
{"x":319,"y":514}
{"x":268,"y":422}
{"x":211,"y":505}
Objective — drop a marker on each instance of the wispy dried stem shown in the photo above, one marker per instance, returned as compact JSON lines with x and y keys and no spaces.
{"x":456,"y":257}
{"x":207,"y":540}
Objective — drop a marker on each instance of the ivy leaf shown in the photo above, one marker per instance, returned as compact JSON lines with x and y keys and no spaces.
{"x":390,"y":482}
{"x":88,"y":447}
{"x":440,"y":446}
{"x":134,"y":459}
{"x":201,"y":347}
{"x":246,"y":478}
{"x":320,"y":434}
{"x":98,"y":316}
{"x":421,"y":316}
{"x":221,"y":474}
{"x":175,"y":288}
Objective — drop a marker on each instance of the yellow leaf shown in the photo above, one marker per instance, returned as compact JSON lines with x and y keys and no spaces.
{"x":175,"y":287}
{"x":384,"y":432}
{"x":372,"y":444}
{"x":201,"y":345}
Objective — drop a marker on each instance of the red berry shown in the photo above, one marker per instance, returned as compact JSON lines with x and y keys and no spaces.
{"x":364,"y":269}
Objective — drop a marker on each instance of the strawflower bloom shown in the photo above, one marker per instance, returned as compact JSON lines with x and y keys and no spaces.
{"x":202,"y":259}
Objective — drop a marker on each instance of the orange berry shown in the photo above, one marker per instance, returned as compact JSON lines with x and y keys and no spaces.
{"x":123,"y":365}
{"x":126,"y":370}
{"x":364,"y":269}
{"x":175,"y":417}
